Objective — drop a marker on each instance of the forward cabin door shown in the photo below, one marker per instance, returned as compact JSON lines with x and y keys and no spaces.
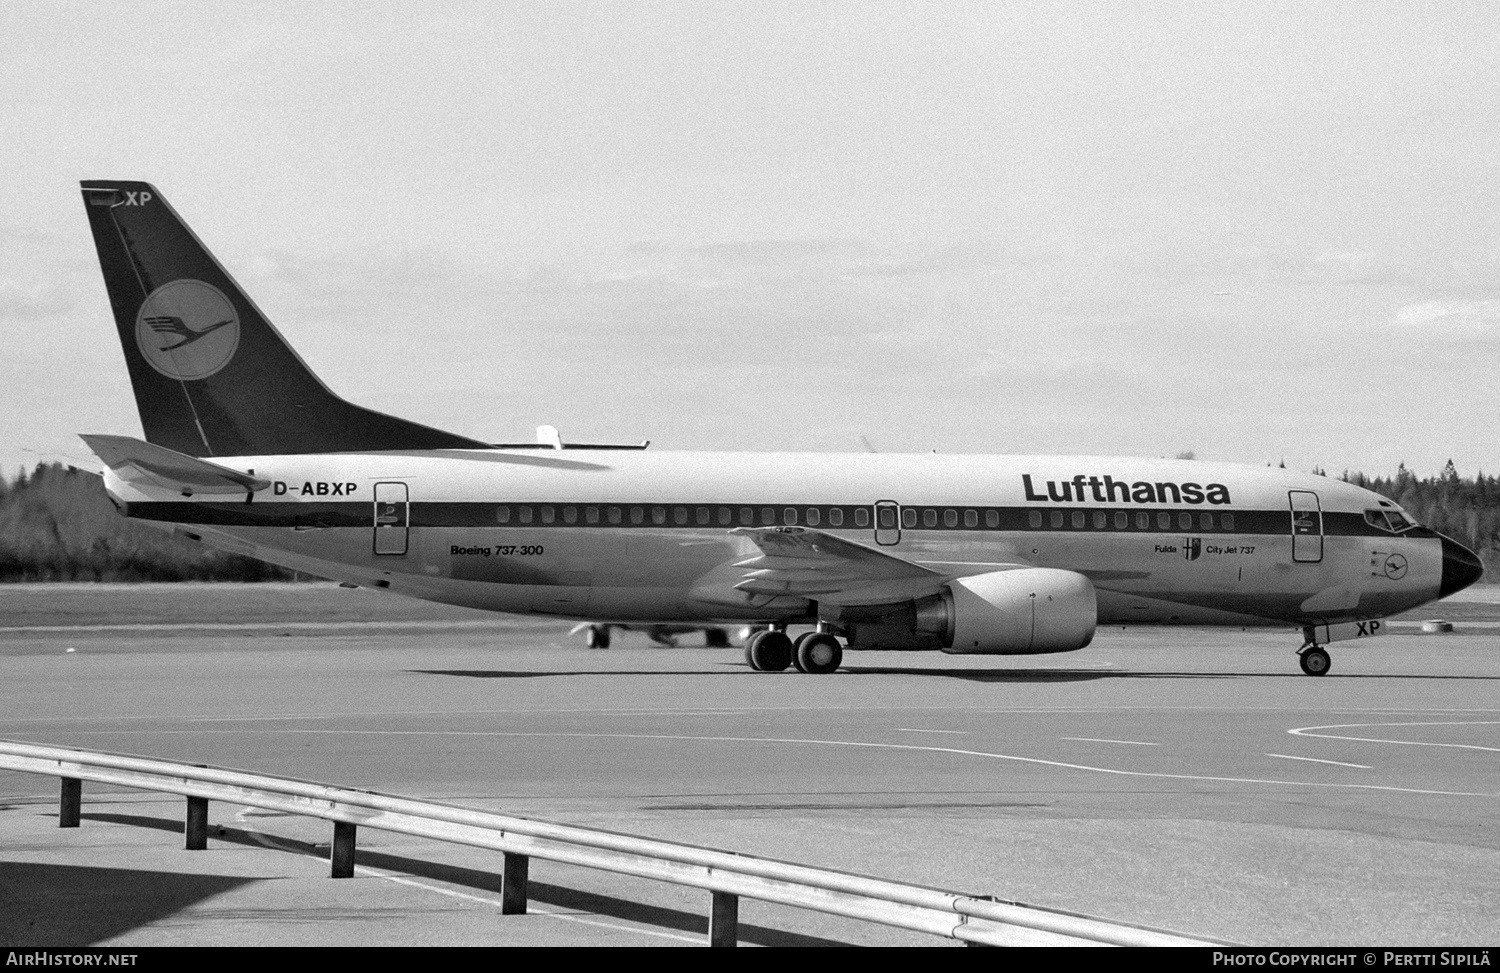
{"x":392,"y":518}
{"x":1307,"y":527}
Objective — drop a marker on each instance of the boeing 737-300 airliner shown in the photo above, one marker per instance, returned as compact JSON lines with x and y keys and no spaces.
{"x":247,"y":451}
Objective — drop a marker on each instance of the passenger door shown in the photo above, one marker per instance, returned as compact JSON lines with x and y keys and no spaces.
{"x":1307,"y":527}
{"x":392,"y":518}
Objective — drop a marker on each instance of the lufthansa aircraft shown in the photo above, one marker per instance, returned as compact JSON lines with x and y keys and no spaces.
{"x":247,"y":451}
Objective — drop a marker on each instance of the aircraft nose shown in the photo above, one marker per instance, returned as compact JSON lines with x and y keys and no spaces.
{"x":1461,"y":568}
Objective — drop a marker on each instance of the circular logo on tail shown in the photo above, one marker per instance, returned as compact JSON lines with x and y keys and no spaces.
{"x":187,"y":330}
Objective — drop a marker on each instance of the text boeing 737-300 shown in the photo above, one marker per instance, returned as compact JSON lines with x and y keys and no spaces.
{"x":247,"y":451}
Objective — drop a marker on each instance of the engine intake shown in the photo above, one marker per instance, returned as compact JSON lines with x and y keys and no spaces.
{"x":1025,"y":611}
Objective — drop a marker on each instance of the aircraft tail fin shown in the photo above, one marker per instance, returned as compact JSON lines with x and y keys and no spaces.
{"x":212,"y":376}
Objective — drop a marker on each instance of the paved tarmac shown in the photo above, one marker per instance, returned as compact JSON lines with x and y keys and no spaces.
{"x":1187,"y":779}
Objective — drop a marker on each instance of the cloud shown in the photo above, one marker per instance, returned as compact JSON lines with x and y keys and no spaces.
{"x":34,"y":300}
{"x":773,"y":252}
{"x":1439,"y":318}
{"x":40,"y":275}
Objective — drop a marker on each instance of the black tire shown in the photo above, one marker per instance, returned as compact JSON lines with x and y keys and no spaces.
{"x":1315,"y":662}
{"x":797,"y":650}
{"x":751,"y":645}
{"x":597,"y":637}
{"x":716,"y":638}
{"x":770,"y":651}
{"x":819,"y":653}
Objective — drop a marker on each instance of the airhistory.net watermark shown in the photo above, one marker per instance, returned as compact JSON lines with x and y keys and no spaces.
{"x":49,"y":957}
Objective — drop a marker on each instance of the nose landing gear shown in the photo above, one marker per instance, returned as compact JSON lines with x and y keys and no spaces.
{"x":1314,"y":659}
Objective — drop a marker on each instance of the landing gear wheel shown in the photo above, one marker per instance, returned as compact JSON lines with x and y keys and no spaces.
{"x":750,"y":646}
{"x":818,"y":653}
{"x":597,"y":637}
{"x":716,"y":638}
{"x":1315,"y":662}
{"x":768,"y":651}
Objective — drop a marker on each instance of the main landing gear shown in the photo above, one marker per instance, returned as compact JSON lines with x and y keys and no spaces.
{"x":773,"y":651}
{"x":1315,"y":660}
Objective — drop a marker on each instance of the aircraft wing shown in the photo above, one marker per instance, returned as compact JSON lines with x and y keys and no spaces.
{"x":800,"y":562}
{"x":142,"y":464}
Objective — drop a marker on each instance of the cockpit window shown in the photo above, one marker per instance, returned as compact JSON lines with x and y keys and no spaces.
{"x":1389,"y":520}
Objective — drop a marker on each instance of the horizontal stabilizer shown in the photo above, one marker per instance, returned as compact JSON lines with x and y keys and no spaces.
{"x":142,"y":464}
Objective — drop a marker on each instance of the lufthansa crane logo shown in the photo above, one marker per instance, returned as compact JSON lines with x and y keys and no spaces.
{"x":187,"y":330}
{"x":1395,"y":567}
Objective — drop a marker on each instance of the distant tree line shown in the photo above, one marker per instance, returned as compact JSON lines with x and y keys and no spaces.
{"x":57,"y":524}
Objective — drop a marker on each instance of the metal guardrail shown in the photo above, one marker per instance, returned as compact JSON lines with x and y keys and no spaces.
{"x":976,"y":920}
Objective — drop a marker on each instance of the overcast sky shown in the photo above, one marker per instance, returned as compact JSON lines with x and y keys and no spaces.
{"x":1252,"y":230}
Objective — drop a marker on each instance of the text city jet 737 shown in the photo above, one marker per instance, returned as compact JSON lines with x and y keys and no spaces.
{"x":248,"y":451}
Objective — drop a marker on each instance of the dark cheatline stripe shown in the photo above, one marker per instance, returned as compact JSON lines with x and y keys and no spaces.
{"x":356,"y":514}
{"x":702,"y":516}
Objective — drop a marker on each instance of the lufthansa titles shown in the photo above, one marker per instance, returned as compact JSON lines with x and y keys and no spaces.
{"x":1107,"y":489}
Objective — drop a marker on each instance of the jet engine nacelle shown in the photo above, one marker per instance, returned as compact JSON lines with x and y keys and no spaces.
{"x":1028,"y":610}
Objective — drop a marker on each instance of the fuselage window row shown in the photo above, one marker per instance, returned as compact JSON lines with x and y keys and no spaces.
{"x":912,"y":518}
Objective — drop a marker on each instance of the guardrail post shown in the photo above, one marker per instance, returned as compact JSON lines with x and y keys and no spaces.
{"x":724,"y":920}
{"x":513,"y":880}
{"x":196,"y":826}
{"x":342,"y":854}
{"x":71,"y":805}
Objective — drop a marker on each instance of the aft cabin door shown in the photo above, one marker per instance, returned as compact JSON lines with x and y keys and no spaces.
{"x":392,"y":518}
{"x":1307,"y":527}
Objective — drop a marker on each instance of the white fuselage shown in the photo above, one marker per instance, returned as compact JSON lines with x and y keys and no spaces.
{"x":625,"y":535}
